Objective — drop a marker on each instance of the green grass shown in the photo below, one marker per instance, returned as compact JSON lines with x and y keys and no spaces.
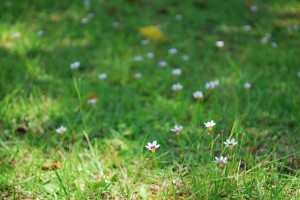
{"x":103,"y":151}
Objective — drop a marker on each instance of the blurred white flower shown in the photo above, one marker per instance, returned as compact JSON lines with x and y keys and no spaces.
{"x":177,"y":129}
{"x":173,"y":51}
{"x":150,"y":55}
{"x":212,"y":84}
{"x":145,"y":42}
{"x":247,"y":85}
{"x":87,"y":4}
{"x":230,"y":143}
{"x":176,"y":72}
{"x":293,"y":27}
{"x":185,"y":57}
{"x":102,"y":76}
{"x":92,"y":101}
{"x":221,"y":161}
{"x":274,"y":44}
{"x":61,"y":130}
{"x":247,"y":27}
{"x":75,"y":65}
{"x":138,"y":58}
{"x":178,"y":17}
{"x":266,"y":38}
{"x":152,"y":146}
{"x":298,"y":74}
{"x":116,"y":25}
{"x":84,"y":20}
{"x":177,"y":87}
{"x":40,"y":33}
{"x":253,"y":8}
{"x":198,"y":95}
{"x":138,"y":75}
{"x":162,"y":64}
{"x":210,"y":125}
{"x":220,"y":44}
{"x":91,"y":15}
{"x":16,"y":35}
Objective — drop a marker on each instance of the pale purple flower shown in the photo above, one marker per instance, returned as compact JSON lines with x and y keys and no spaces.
{"x":230,"y":143}
{"x":221,"y":161}
{"x":152,"y":146}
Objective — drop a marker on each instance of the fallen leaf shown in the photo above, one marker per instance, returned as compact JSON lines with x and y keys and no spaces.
{"x":51,"y":166}
{"x":153,"y":33}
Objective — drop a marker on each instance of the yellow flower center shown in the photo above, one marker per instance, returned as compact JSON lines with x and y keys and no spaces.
{"x":153,"y":150}
{"x":177,"y":133}
{"x":210,"y":128}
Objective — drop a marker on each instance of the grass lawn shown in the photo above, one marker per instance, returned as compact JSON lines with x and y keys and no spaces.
{"x":85,"y":86}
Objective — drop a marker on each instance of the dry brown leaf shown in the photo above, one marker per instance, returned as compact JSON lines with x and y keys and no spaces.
{"x":52,"y":166}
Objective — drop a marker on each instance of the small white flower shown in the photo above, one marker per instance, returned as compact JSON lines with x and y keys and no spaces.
{"x":91,"y":15}
{"x":145,"y":42}
{"x":162,"y":64}
{"x":220,"y":44}
{"x":172,"y":51}
{"x":176,"y":72}
{"x":152,"y":146}
{"x":150,"y":55}
{"x":92,"y":101}
{"x":75,"y":65}
{"x":230,"y":143}
{"x":298,"y":74}
{"x":178,"y":17}
{"x":61,"y":130}
{"x":185,"y":57}
{"x":40,"y":33}
{"x":137,"y":75}
{"x":16,"y":35}
{"x":102,"y":76}
{"x":247,"y":27}
{"x":84,"y":20}
{"x":210,"y":125}
{"x":266,"y":38}
{"x":116,"y":25}
{"x":247,"y":85}
{"x":274,"y":44}
{"x":212,"y":84}
{"x":138,"y":58}
{"x":253,"y":8}
{"x":221,"y":161}
{"x":177,"y":87}
{"x":177,"y":129}
{"x":198,"y":95}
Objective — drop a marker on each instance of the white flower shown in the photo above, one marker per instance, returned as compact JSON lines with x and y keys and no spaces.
{"x":162,"y":63}
{"x":137,"y":75}
{"x":138,"y":58}
{"x":230,"y":143}
{"x":185,"y":57}
{"x":40,"y":33}
{"x":177,"y":87}
{"x":198,"y":95}
{"x":210,"y":125}
{"x":152,"y":146}
{"x":274,"y":44}
{"x":220,"y":44}
{"x":91,"y":15}
{"x":247,"y":27}
{"x":61,"y":130}
{"x":253,"y":8}
{"x":298,"y":74}
{"x":92,"y":101}
{"x":212,"y":84}
{"x":16,"y":35}
{"x":178,"y":17}
{"x":145,"y":42}
{"x":176,"y":72}
{"x":150,"y":55}
{"x":177,"y":129}
{"x":84,"y":20}
{"x":116,"y":25}
{"x":221,"y":161}
{"x":173,"y":51}
{"x":87,"y":4}
{"x":266,"y":38}
{"x":102,"y":76}
{"x":75,"y":65}
{"x":247,"y":85}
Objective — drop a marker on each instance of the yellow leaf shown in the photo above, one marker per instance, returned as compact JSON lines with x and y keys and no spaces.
{"x":152,"y":33}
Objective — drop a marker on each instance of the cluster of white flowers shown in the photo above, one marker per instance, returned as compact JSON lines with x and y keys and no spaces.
{"x":212,"y":84}
{"x":75,"y":65}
